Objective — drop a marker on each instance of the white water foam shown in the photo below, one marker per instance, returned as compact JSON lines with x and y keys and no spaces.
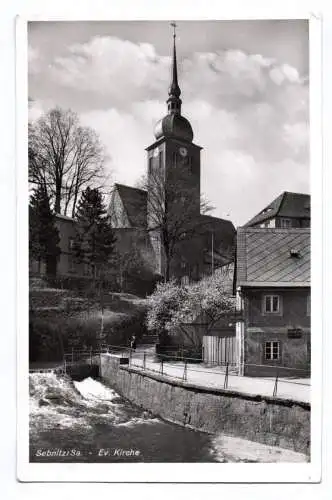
{"x":59,"y":402}
{"x":92,"y":389}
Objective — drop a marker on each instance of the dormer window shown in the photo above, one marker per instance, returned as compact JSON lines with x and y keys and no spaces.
{"x":296,"y":254}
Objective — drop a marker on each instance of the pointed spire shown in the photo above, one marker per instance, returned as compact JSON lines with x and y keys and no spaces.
{"x":174,"y":92}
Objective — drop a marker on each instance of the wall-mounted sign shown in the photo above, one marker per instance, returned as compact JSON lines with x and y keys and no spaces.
{"x":294,"y":333}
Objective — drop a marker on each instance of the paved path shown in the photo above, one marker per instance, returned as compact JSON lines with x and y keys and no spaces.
{"x":295,"y":389}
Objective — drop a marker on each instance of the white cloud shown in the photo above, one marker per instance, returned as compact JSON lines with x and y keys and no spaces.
{"x":248,"y":112}
{"x":280,"y":74}
{"x":296,"y":136}
{"x":113,"y":67}
{"x":34,"y":60}
{"x":37,"y":108}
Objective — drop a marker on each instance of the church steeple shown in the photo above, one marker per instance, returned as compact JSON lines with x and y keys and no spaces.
{"x":174,"y":125}
{"x":174,"y":102}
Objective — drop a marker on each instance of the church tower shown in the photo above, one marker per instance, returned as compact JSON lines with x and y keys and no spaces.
{"x":173,"y":162}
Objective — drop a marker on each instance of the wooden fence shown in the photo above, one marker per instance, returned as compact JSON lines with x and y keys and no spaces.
{"x":219,"y":350}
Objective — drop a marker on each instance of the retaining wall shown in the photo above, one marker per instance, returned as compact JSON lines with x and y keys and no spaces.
{"x":272,"y":421}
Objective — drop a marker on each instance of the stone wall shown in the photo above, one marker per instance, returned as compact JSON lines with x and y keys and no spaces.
{"x":267,"y":420}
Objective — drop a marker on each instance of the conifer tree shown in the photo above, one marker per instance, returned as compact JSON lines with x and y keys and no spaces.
{"x":43,"y":234}
{"x":95,"y":239}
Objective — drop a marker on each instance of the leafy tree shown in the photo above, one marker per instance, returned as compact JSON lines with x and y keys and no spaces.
{"x":64,"y":158}
{"x":174,"y":207}
{"x":132,"y":268}
{"x":43,"y":234}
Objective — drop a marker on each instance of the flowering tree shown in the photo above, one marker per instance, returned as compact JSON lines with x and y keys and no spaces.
{"x":191,"y":309}
{"x":163,"y":303}
{"x":206,"y":303}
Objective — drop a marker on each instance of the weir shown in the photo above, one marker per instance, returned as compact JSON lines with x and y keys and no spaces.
{"x":273,"y":421}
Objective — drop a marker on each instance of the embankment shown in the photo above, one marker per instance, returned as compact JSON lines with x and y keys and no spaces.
{"x":267,"y":420}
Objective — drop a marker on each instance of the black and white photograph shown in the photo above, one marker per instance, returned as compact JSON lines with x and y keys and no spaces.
{"x":169,"y":185}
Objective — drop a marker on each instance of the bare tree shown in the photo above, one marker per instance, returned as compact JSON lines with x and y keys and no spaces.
{"x":174,"y":207}
{"x":64,"y":158}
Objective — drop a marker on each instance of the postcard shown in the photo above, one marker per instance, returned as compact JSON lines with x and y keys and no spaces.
{"x":169,"y":214}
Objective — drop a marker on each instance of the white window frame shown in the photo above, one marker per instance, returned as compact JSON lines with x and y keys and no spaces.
{"x":272,"y":345}
{"x":271,"y":296}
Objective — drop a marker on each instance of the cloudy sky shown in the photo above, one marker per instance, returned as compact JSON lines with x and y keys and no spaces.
{"x":244,"y":89}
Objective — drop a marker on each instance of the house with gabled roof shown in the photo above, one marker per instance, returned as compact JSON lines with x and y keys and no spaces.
{"x":286,"y":211}
{"x":273,"y":300}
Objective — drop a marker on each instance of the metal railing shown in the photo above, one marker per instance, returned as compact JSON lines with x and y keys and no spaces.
{"x":225,"y":375}
{"x":186,"y":369}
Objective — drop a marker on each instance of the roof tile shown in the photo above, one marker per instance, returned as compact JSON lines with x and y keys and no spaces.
{"x":263,"y":255}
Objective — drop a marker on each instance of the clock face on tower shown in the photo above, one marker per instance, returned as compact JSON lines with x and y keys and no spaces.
{"x":183,"y":152}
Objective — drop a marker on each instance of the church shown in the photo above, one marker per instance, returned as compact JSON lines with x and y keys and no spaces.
{"x":163,"y":229}
{"x":166,"y":220}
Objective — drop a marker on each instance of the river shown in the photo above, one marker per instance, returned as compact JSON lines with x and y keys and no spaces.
{"x":87,"y":421}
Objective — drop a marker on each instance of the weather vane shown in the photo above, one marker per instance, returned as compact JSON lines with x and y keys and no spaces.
{"x":174,"y":26}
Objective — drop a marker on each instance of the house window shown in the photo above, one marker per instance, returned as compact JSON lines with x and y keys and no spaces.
{"x":285,"y":223}
{"x":271,"y":304}
{"x":272,"y":350}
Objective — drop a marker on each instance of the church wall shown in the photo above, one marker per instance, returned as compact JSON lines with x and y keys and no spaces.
{"x":117,"y":212}
{"x":188,"y":168}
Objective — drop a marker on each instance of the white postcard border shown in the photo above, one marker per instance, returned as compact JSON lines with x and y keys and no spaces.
{"x":167,"y":472}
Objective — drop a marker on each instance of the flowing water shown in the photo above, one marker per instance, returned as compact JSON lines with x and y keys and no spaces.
{"x":89,"y":422}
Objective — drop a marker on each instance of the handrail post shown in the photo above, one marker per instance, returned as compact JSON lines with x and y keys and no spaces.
{"x":129,"y":356}
{"x":226,"y":377}
{"x":185,"y":370}
{"x":275,"y":390}
{"x":162,"y":367}
{"x":72,"y":355}
{"x":144,"y":360}
{"x":90,"y":355}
